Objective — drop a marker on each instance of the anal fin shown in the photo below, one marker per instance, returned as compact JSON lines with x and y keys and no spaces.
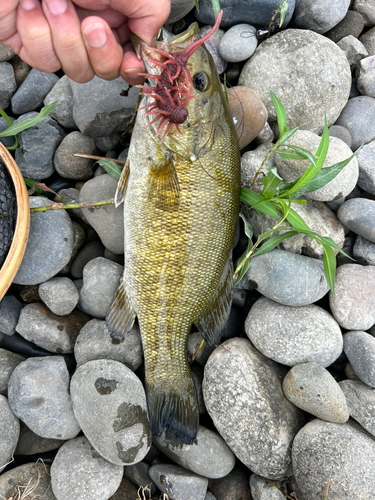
{"x":122,"y":184}
{"x":121,"y":314}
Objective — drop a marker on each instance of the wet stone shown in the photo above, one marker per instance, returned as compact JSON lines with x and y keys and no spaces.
{"x":359,"y":348}
{"x":29,"y":479}
{"x":91,"y":251}
{"x":319,"y":16}
{"x":358,"y":116}
{"x":7,"y":84}
{"x":10,"y":308}
{"x":38,"y":393}
{"x":233,"y":486}
{"x":8,"y":361}
{"x":351,"y":24}
{"x":361,"y":403}
{"x":60,"y":295}
{"x":63,"y":110}
{"x":238,"y":43}
{"x":109,"y":403}
{"x":32,"y":92}
{"x":9,"y":431}
{"x":70,"y":166}
{"x":30,"y":443}
{"x":364,"y":251}
{"x":79,"y":472}
{"x":178,"y":483}
{"x":262,"y":489}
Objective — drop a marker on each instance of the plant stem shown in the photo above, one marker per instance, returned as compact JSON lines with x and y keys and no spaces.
{"x":93,"y":157}
{"x":263,"y":163}
{"x":61,"y":206}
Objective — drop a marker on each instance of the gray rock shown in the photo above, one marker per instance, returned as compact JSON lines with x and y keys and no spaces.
{"x":30,"y":443}
{"x":28,"y":479}
{"x":359,"y":348}
{"x":243,"y":395}
{"x":119,"y":258}
{"x":266,"y":135}
{"x":60,"y":295}
{"x":194,"y":341}
{"x":312,"y":388}
{"x":7,"y":141}
{"x":79,"y":472}
{"x":287,"y":278}
{"x":6,"y":53}
{"x":234,"y":485}
{"x":70,"y":166}
{"x":95,"y":342}
{"x":54,"y":333}
{"x":7,"y":84}
{"x":365,"y":75}
{"x":100,"y":282}
{"x":79,"y":239}
{"x":358,"y":214}
{"x":212,"y":45}
{"x":366,"y":164}
{"x":355,"y":50}
{"x":367,"y":9}
{"x":126,"y":491}
{"x":108,"y":221}
{"x":107,"y":142}
{"x":49,"y":246}
{"x":301,"y":57}
{"x":9,"y":430}
{"x":364,"y":251}
{"x":8,"y":361}
{"x":10,"y":308}
{"x":262,"y":489}
{"x":294,"y":335}
{"x":354,"y":303}
{"x":352,"y":24}
{"x":238,"y":43}
{"x":178,"y":483}
{"x":319,"y":16}
{"x":179,"y":9}
{"x":251,"y":163}
{"x":109,"y":402}
{"x":358,"y":116}
{"x":338,"y":151}
{"x":368,"y":40}
{"x":138,"y":474}
{"x":21,"y":69}
{"x":341,"y":133}
{"x":71,"y":195}
{"x":343,"y":452}
{"x":99,"y":109}
{"x":350,"y":373}
{"x":197,"y":374}
{"x":63,"y":111}
{"x":38,"y":393}
{"x":208,"y":456}
{"x":32,"y":92}
{"x":360,"y":399}
{"x":91,"y":251}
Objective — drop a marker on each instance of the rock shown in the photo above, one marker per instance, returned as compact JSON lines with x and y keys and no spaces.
{"x":197,"y":374}
{"x":318,"y":16}
{"x":108,"y":142}
{"x":262,"y":489}
{"x":367,"y":9}
{"x":365,"y":75}
{"x":354,"y":303}
{"x":60,"y":295}
{"x":38,"y":393}
{"x":351,"y":24}
{"x":354,"y":50}
{"x":6,"y":53}
{"x":63,"y":111}
{"x":368,"y":40}
{"x":54,"y":333}
{"x":110,"y":405}
{"x":208,"y":456}
{"x":99,"y":109}
{"x":343,"y":452}
{"x":49,"y":246}
{"x":301,"y":57}
{"x":79,"y":472}
{"x":238,"y":43}
{"x":178,"y":483}
{"x":28,"y":479}
{"x":251,"y":162}
{"x":6,"y":141}
{"x":8,"y":361}
{"x":10,"y":431}
{"x":359,"y":348}
{"x":70,"y":166}
{"x":360,"y":399}
{"x":7,"y":84}
{"x":95,"y":342}
{"x":30,"y":443}
{"x":266,"y":135}
{"x":341,"y":133}
{"x":248,"y":112}
{"x":138,"y":474}
{"x":242,"y":393}
{"x":179,"y":9}
{"x":119,"y":258}
{"x":194,"y":342}
{"x":32,"y":91}
{"x":91,"y":251}
{"x":126,"y":490}
{"x":287,"y":278}
{"x":293,"y":335}
{"x":212,"y":45}
{"x":37,"y":145}
{"x":21,"y":69}
{"x":79,"y":239}
{"x":366,"y":164}
{"x":108,"y":221}
{"x":10,"y":308}
{"x":100,"y":282}
{"x":233,"y":486}
{"x":71,"y":195}
{"x":312,"y":388}
{"x":358,"y":116}
{"x":364,"y":251}
{"x":338,"y":151}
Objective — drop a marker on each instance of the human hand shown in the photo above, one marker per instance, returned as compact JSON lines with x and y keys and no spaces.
{"x":83,"y":37}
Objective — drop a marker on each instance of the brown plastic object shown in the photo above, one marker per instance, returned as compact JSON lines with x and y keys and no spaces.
{"x":17,"y":249}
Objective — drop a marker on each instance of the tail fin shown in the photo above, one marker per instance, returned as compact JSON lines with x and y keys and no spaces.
{"x":174,"y":407}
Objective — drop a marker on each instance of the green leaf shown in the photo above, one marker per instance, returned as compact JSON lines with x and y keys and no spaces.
{"x":322,"y":150}
{"x":31,"y":182}
{"x":290,"y":155}
{"x":304,"y":152}
{"x":215,"y":7}
{"x":6,"y":117}
{"x":329,"y":261}
{"x":280,"y":113}
{"x":257,"y":201}
{"x":296,"y":221}
{"x":273,"y":242}
{"x":270,"y":183}
{"x":247,"y":227}
{"x":283,"y":11}
{"x":196,"y":5}
{"x":15,"y":128}
{"x":242,"y":271}
{"x":287,"y":136}
{"x":111,"y":168}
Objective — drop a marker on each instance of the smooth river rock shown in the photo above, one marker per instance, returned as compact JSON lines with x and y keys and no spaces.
{"x":358,"y":214}
{"x":359,"y":348}
{"x":9,"y":431}
{"x":361,"y":403}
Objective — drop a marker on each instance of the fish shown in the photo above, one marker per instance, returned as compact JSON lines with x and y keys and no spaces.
{"x":181,"y":188}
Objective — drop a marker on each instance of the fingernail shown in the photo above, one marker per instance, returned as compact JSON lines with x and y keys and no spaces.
{"x":28,"y":4}
{"x":133,"y":72}
{"x":57,"y":6}
{"x":95,"y":35}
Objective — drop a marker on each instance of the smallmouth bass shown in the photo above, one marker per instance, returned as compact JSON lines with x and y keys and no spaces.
{"x":180,"y":187}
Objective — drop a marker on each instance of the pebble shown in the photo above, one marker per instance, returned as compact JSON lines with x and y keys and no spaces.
{"x":364,"y":251}
{"x":10,"y":308}
{"x":358,"y":214}
{"x":108,"y":142}
{"x":69,"y":166}
{"x":343,"y":452}
{"x":91,"y":251}
{"x":238,"y":43}
{"x":100,"y":282}
{"x":71,"y":195}
{"x":79,"y":472}
{"x":38,"y":393}
{"x":6,"y":53}
{"x":266,"y":135}
{"x":287,"y":278}
{"x":63,"y":110}
{"x":60,"y":295}
{"x":301,"y":57}
{"x":109,"y":403}
{"x":9,"y":431}
{"x":8,"y":361}
{"x":358,"y":116}
{"x":338,"y":151}
{"x":293,"y":335}
{"x":243,"y":395}
{"x":7,"y":84}
{"x":355,"y":51}
{"x":366,"y":164}
{"x":341,"y":133}
{"x":126,"y":491}
{"x":21,"y":69}
{"x":107,"y":221}
{"x":368,"y":40}
{"x":28,"y":479}
{"x":95,"y":342}
{"x":79,"y":239}
{"x":6,"y":141}
{"x":179,"y":9}
{"x":319,"y":16}
{"x":49,"y":246}
{"x":178,"y":483}
{"x":367,"y":9}
{"x":138,"y":474}
{"x":30,"y":443}
{"x":359,"y":348}
{"x":234,"y":486}
{"x":365,"y":75}
{"x":361,"y":403}
{"x":208,"y":456}
{"x":212,"y":45}
{"x":262,"y":489}
{"x":194,"y":342}
{"x":312,"y":388}
{"x":351,"y":24}
{"x":50,"y":331}
{"x":32,"y":91}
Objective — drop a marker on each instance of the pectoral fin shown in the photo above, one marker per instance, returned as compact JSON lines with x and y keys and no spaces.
{"x":164,"y":188}
{"x":121,"y":314}
{"x":122,"y":184}
{"x":216,"y":314}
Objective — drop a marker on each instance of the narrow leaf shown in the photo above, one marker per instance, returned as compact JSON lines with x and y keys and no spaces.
{"x":329,"y":261}
{"x":287,"y":136}
{"x":6,"y":117}
{"x":296,"y":221}
{"x":215,"y":7}
{"x":283,"y":11}
{"x":290,"y":155}
{"x":304,"y":152}
{"x":280,"y":113}
{"x":16,"y":128}
{"x":273,"y":242}
{"x":270,"y":183}
{"x":244,"y":268}
{"x":257,"y":201}
{"x":322,"y":150}
{"x":111,"y":168}
{"x":196,"y":5}
{"x":247,"y":227}
{"x":305,"y":178}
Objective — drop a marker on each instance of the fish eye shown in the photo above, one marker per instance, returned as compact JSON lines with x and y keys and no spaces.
{"x":201,"y":81}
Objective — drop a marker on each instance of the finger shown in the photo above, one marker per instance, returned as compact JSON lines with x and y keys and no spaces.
{"x":8,"y":17}
{"x":104,"y":51}
{"x":67,"y":39}
{"x":131,"y":66}
{"x":35,"y":33}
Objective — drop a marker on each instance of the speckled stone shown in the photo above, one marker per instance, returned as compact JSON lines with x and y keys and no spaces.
{"x":72,"y":167}
{"x":9,"y":431}
{"x":262,"y":489}
{"x":365,"y":75}
{"x":178,"y":483}
{"x":60,"y":295}
{"x":32,"y":91}
{"x":368,"y":40}
{"x":8,"y":361}
{"x":367,"y":9}
{"x":63,"y":110}
{"x":364,"y":251}
{"x":366,"y":164}
{"x":358,"y":116}
{"x":361,"y":403}
{"x":359,"y":348}
{"x":319,"y":16}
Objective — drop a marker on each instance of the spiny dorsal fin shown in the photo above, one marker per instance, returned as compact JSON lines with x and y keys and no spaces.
{"x":164,"y":188}
{"x":122,"y":183}
{"x":121,"y":314}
